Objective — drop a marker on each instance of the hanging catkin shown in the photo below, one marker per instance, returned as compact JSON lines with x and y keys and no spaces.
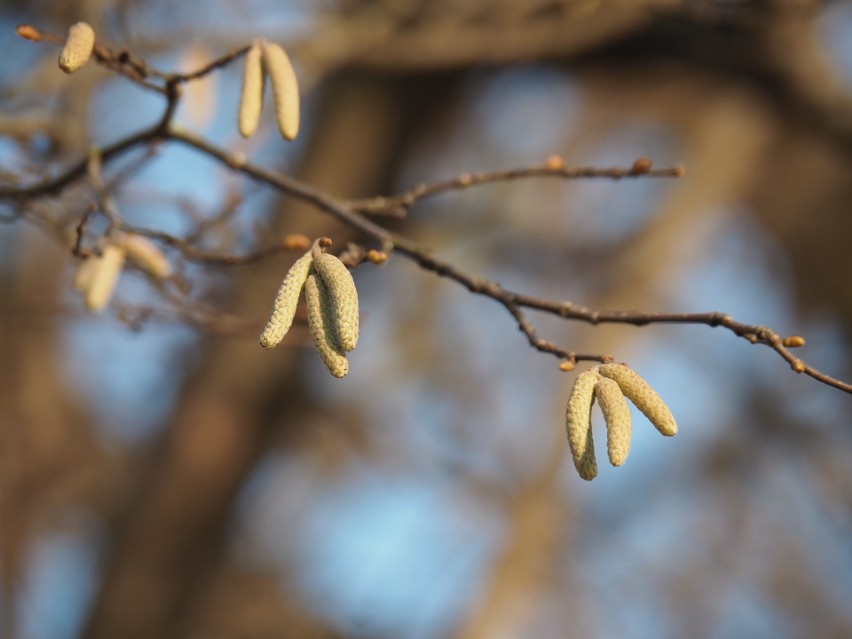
{"x":78,"y":47}
{"x":344,"y":298}
{"x":579,"y":425}
{"x":286,"y":301}
{"x":251,"y":98}
{"x":285,"y":88}
{"x":646,"y":399}
{"x":320,"y":320}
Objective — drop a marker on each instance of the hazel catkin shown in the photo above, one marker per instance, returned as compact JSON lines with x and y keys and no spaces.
{"x":616,"y":412}
{"x":286,"y":301}
{"x":320,"y":320}
{"x":578,"y":424}
{"x":78,"y":47}
{"x":646,"y":399}
{"x":251,"y":97}
{"x":344,"y":298}
{"x":103,"y":277}
{"x":285,"y":88}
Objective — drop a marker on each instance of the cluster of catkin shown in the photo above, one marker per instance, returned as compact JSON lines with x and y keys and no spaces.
{"x":268,"y":59}
{"x":98,"y":275}
{"x":610,"y":384}
{"x":332,"y":302}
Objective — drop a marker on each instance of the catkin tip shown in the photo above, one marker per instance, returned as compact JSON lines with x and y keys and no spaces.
{"x":78,"y":47}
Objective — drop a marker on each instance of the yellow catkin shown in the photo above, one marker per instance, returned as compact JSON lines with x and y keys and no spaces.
{"x":578,"y":423}
{"x":104,"y":277}
{"x":616,"y":412}
{"x":146,"y":255}
{"x":286,"y":301}
{"x":344,"y":298}
{"x":642,"y":395}
{"x":251,"y":98}
{"x":285,"y":89}
{"x":320,"y":317}
{"x":78,"y":47}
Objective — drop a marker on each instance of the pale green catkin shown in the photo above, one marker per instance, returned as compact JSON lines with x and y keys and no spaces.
{"x":344,"y":298}
{"x":286,"y":301}
{"x":251,"y":98}
{"x":285,"y":89}
{"x":578,"y":424}
{"x":78,"y":47}
{"x":104,"y":277}
{"x":616,"y":413}
{"x":320,"y":318}
{"x":643,"y":396}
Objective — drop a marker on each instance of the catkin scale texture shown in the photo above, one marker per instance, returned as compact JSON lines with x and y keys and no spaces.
{"x":251,"y":98}
{"x":286,"y":301}
{"x":78,"y":47}
{"x":579,"y":425}
{"x":344,"y":298}
{"x":646,"y":399}
{"x":616,"y":412}
{"x":285,"y":89}
{"x":104,"y":277}
{"x":320,"y":318}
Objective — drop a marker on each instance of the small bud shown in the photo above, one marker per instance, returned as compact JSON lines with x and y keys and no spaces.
{"x":641,"y":166}
{"x":616,"y":413}
{"x":798,"y":366}
{"x":555,"y":162}
{"x":578,"y":424}
{"x":646,"y":399}
{"x":285,"y":89}
{"x":295,"y":242}
{"x":146,"y":255}
{"x":104,"y":277}
{"x":29,"y":32}
{"x":251,"y":98}
{"x":344,"y":298}
{"x":567,"y":365}
{"x":286,"y":301}
{"x":78,"y":47}
{"x":793,"y":341}
{"x":377,"y":257}
{"x":320,"y":323}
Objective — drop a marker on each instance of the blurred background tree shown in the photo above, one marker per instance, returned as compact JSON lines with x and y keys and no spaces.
{"x":161,"y":475}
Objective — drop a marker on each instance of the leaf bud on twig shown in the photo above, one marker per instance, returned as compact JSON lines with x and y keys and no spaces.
{"x":286,"y":301}
{"x":251,"y":98}
{"x":793,"y":341}
{"x":646,"y":399}
{"x":285,"y":88}
{"x":616,"y":412}
{"x":78,"y":47}
{"x":344,"y":298}
{"x":578,"y":423}
{"x":320,"y":323}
